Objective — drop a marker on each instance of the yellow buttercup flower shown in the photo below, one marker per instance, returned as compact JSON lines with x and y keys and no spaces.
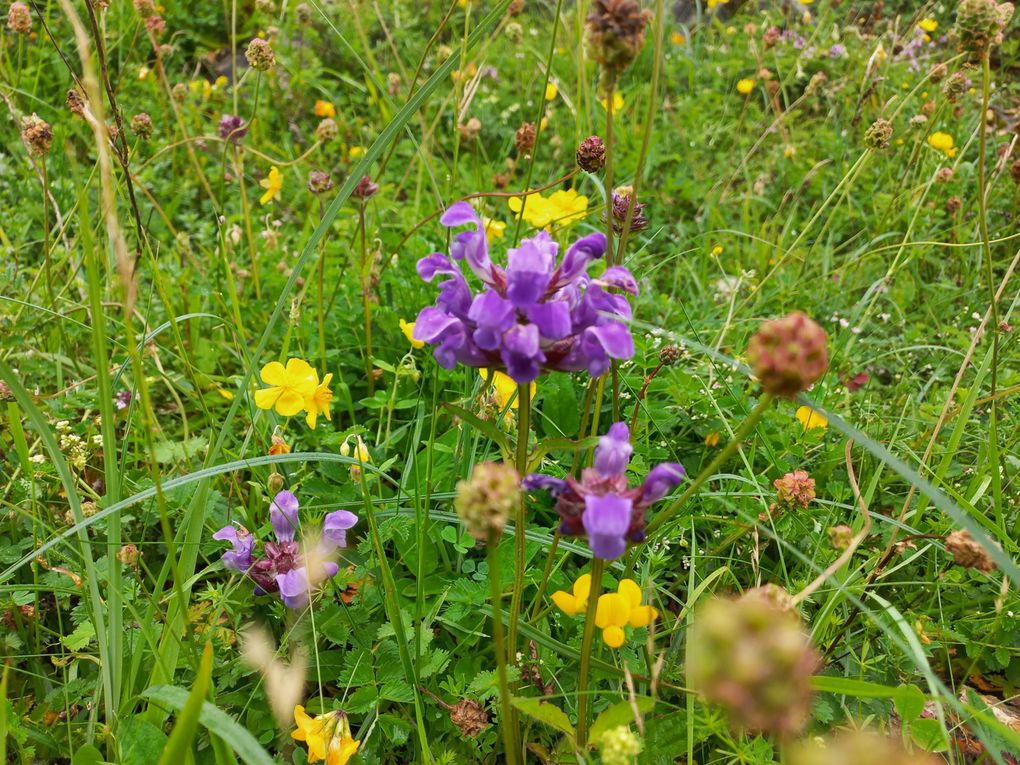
{"x":942,"y":142}
{"x":928,"y":25}
{"x":811,"y":419}
{"x":289,"y":386}
{"x":494,"y":229}
{"x":717,"y":251}
{"x":356,"y":152}
{"x":574,"y":602}
{"x":318,"y":403}
{"x":617,"y":101}
{"x":327,"y":736}
{"x":324,"y":109}
{"x":272,"y":183}
{"x":561,"y":208}
{"x":505,"y":388}
{"x":745,"y":86}
{"x":407,"y":327}
{"x":551,"y":91}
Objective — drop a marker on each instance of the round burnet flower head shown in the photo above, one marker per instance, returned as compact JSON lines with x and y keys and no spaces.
{"x":365,"y":190}
{"x":771,"y":37}
{"x":179,"y":92}
{"x":524,"y":138}
{"x":303,"y":11}
{"x":145,"y":8}
{"x":514,"y":32}
{"x":856,"y":747}
{"x":486,"y":499}
{"x":141,"y":126}
{"x":840,"y":537}
{"x":938,"y":73}
{"x":968,"y":553}
{"x":788,"y":355}
{"x":956,"y":85}
{"x":75,"y":102}
{"x":260,"y":55}
{"x":669,"y":355}
{"x":319,"y":182}
{"x":878,"y":135}
{"x":752,"y":657}
{"x":469,"y":716}
{"x":619,"y":746}
{"x":327,"y":130}
{"x":591,"y":154}
{"x":37,"y":135}
{"x":19,"y":19}
{"x":622,"y":197}
{"x":795,"y":490}
{"x":953,"y":205}
{"x":979,"y":24}
{"x":615,"y":33}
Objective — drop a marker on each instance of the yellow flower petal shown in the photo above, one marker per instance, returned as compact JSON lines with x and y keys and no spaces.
{"x":810,"y":419}
{"x":289,"y":403}
{"x":582,"y":587}
{"x":630,"y":591}
{"x":642,"y":616}
{"x":273,"y":373}
{"x":566,"y":602}
{"x":266,"y":398}
{"x":613,"y":637}
{"x":613,"y":610}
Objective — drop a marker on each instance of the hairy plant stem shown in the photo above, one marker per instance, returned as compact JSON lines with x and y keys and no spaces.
{"x":506,"y":715}
{"x":520,"y":521}
{"x":728,"y":451}
{"x":597,"y":567}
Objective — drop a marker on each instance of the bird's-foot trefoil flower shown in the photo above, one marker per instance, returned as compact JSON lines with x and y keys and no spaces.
{"x":602,"y":505}
{"x":614,"y":610}
{"x":533,"y":316}
{"x":327,"y":736}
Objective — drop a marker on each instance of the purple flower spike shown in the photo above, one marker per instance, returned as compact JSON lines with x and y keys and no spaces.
{"x":614,"y":450}
{"x":533,"y":317}
{"x":602,"y":505}
{"x":283,"y":515}
{"x":238,"y":559}
{"x":334,"y":529}
{"x":606,"y":519}
{"x":661,"y":481}
{"x":295,"y":589}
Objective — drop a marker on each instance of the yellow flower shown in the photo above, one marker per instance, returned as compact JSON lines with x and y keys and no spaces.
{"x":811,"y":419}
{"x":807,"y":2}
{"x":619,"y":609}
{"x":717,"y":251}
{"x":318,"y":402}
{"x":745,"y":86}
{"x":143,"y":73}
{"x":356,"y":152}
{"x":324,"y":109}
{"x":551,"y":91}
{"x":328,"y":736}
{"x":943,"y":142}
{"x":730,"y":31}
{"x":221,"y":82}
{"x":712,"y":439}
{"x":494,"y":229}
{"x":928,"y":25}
{"x":279,"y":446}
{"x":617,"y":101}
{"x":407,"y":327}
{"x":289,"y":386}
{"x":714,"y":3}
{"x":575,"y":602}
{"x":562,"y":208}
{"x":505,"y":388}
{"x":273,"y":183}
{"x":677,"y":38}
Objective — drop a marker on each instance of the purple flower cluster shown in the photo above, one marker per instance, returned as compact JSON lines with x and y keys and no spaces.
{"x":535,"y":315}
{"x":602,"y":505}
{"x":283,"y":568}
{"x":232,"y":128}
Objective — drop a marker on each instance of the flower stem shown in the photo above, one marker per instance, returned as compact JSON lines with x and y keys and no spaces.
{"x":597,"y":567}
{"x":505,"y":711}
{"x":536,"y":603}
{"x":366,"y":286}
{"x":611,"y":260}
{"x":728,"y":451}
{"x":520,"y":522}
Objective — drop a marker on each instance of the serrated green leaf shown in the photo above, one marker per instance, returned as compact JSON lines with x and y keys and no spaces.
{"x":545,"y":712}
{"x":80,"y":638}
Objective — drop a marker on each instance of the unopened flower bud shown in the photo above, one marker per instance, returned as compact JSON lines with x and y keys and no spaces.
{"x":179,"y":92}
{"x":327,"y":130}
{"x":953,"y":205}
{"x":788,"y":355}
{"x":128,"y":555}
{"x":514,"y":32}
{"x":515,"y":8}
{"x":591,"y":154}
{"x":955,"y":86}
{"x":771,"y":37}
{"x":944,"y":175}
{"x":260,"y":55}
{"x":486,"y":499}
{"x":365,"y":189}
{"x":275,"y":483}
{"x":319,"y":182}
{"x":670,"y":354}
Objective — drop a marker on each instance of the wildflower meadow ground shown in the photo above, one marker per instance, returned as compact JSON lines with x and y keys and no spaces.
{"x":510,"y":381}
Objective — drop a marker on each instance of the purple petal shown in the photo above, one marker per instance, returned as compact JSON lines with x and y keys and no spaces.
{"x":661,"y":481}
{"x":606,"y":519}
{"x":444,"y":331}
{"x":604,"y":303}
{"x":459,"y":214}
{"x":529,"y":270}
{"x":283,"y":515}
{"x":238,"y":559}
{"x":599,"y":344}
{"x":436,"y":263}
{"x":540,"y":482}
{"x":614,"y":450}
{"x":331,"y":569}
{"x":471,"y":245}
{"x":581,"y":253}
{"x":494,"y":315}
{"x":552,"y":319}
{"x":618,"y":276}
{"x":335,"y":526}
{"x":522,"y":353}
{"x":294,"y":587}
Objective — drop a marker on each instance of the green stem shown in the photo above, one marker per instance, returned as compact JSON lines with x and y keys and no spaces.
{"x":610,"y":255}
{"x":597,"y":568}
{"x":366,"y":281}
{"x":546,"y":573}
{"x":505,"y":711}
{"x":728,"y":451}
{"x":520,"y":522}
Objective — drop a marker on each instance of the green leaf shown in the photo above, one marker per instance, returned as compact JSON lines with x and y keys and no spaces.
{"x":212,"y":717}
{"x":80,"y":638}
{"x":139,"y":740}
{"x":485,"y":427}
{"x":929,"y":734}
{"x":181,"y":737}
{"x":547,"y":713}
{"x":909,"y":702}
{"x":621,"y":713}
{"x":87,"y":755}
{"x":561,"y":414}
{"x":845,"y":686}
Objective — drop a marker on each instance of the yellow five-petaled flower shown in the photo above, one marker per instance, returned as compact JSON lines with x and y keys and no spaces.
{"x":328,"y":736}
{"x":295,"y":388}
{"x":273,"y":184}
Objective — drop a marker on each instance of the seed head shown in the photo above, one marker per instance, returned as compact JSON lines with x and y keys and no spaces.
{"x":979,"y":24}
{"x":591,"y":154}
{"x":938,"y":73}
{"x":619,"y":746}
{"x":470,"y":717}
{"x":956,"y":85}
{"x":615,"y":34}
{"x":968,"y":553}
{"x":524,"y":139}
{"x":327,"y":130}
{"x":485,"y":500}
{"x":37,"y":135}
{"x":753,"y":658}
{"x":19,"y":19}
{"x":141,"y":126}
{"x":75,"y":103}
{"x":788,"y":355}
{"x":878,"y":135}
{"x":319,"y":182}
{"x":670,"y":354}
{"x":260,"y":55}
{"x":514,"y":32}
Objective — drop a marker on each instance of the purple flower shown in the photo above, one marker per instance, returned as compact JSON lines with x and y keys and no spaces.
{"x":238,"y":559}
{"x":283,"y":568}
{"x":232,"y":128}
{"x":534,"y":316}
{"x":602,"y":505}
{"x":122,"y":400}
{"x":283,"y":515}
{"x":837,"y":51}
